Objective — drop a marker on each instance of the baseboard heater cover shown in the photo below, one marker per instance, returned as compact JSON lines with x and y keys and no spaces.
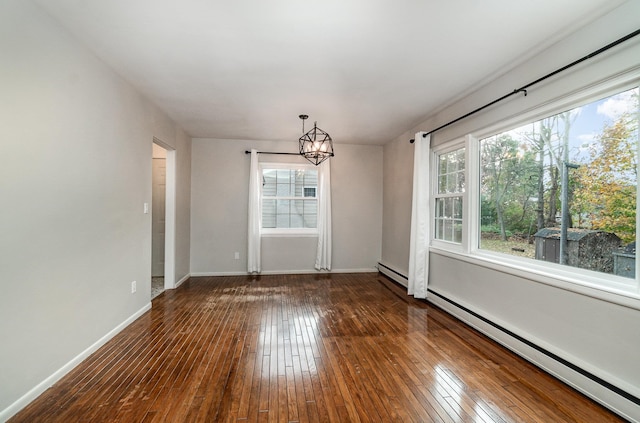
{"x":594,"y":378}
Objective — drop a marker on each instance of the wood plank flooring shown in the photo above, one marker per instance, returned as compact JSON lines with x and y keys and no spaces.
{"x":304,"y":348}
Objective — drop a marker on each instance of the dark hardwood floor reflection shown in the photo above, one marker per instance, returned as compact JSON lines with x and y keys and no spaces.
{"x":304,"y":348}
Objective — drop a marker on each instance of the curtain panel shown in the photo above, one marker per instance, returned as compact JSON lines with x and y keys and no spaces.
{"x":323,"y":253}
{"x":420,"y":219}
{"x":255,"y":216}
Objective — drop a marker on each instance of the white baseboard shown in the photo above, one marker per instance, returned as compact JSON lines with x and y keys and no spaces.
{"x":287,"y":272}
{"x":37,"y":390}
{"x":182,"y":280}
{"x":203,"y":274}
{"x":572,"y":377}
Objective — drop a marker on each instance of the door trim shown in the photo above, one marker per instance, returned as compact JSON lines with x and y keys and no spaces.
{"x":170,"y":217}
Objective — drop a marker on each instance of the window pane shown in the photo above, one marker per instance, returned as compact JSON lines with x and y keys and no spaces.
{"x":447,"y":230}
{"x":442,"y":183}
{"x":595,"y":147}
{"x":282,"y":213}
{"x":297,"y":214}
{"x":269,"y":182}
{"x":451,"y":172}
{"x":457,"y":234}
{"x":310,"y":213}
{"x":460,"y":184}
{"x":439,"y":224}
{"x":284,"y":176}
{"x":268,"y":213}
{"x":284,"y":190}
{"x":311,"y":177}
{"x":457,"y":208}
{"x":448,"y":219}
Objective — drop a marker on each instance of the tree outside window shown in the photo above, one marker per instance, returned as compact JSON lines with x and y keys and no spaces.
{"x":521,"y":188}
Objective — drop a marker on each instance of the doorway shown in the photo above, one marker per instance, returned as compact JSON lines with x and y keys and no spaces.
{"x":163,"y":218}
{"x":158,"y":218}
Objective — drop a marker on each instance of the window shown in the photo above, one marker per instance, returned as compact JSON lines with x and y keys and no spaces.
{"x":563,"y":189}
{"x":289,"y":202}
{"x":309,"y":191}
{"x":448,"y":197}
{"x":555,"y":196}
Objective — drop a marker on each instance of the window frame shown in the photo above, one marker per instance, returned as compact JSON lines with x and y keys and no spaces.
{"x":287,"y":232}
{"x":617,"y":289}
{"x":450,"y":147}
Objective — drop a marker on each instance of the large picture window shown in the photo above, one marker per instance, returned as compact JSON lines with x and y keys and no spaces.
{"x":563,"y":189}
{"x":289,"y":202}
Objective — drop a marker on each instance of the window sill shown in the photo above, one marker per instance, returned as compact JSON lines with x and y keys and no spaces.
{"x":296,"y":233}
{"x":626,"y":295}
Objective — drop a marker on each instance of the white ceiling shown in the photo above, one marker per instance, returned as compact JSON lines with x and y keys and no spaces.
{"x":366,"y":70}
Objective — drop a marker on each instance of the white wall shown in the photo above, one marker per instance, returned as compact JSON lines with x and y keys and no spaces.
{"x":598,"y":335}
{"x":219,"y":198}
{"x":75,"y":170}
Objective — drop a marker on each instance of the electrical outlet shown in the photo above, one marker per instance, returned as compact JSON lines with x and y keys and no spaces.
{"x":236,"y":255}
{"x":133,"y":287}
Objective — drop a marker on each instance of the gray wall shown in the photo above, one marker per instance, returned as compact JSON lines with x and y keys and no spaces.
{"x":397,"y":193}
{"x":598,"y":332}
{"x":75,"y":170}
{"x":219,"y":198}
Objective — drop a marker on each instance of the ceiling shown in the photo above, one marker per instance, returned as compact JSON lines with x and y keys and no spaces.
{"x":365,"y":70}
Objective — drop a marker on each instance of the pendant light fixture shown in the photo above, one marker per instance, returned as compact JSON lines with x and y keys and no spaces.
{"x":315,"y":145}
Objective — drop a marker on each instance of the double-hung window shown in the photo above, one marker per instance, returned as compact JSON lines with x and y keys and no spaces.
{"x":448,"y":197}
{"x":289,"y":199}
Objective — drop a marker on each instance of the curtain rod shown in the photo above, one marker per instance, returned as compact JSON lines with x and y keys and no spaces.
{"x":523,"y":89}
{"x":270,"y":152}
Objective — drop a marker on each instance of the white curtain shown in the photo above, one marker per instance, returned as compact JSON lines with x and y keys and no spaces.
{"x":255,"y":215}
{"x":323,"y":254}
{"x":420,"y":219}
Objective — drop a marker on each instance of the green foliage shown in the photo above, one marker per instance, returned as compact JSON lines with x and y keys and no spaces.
{"x":493,"y":229}
{"x":606,"y":194}
{"x":521,"y":170}
{"x":508,"y":182}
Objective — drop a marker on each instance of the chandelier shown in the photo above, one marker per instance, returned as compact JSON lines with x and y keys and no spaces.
{"x":315,"y":145}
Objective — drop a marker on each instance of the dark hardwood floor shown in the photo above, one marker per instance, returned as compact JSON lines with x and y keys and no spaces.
{"x":304,"y":348}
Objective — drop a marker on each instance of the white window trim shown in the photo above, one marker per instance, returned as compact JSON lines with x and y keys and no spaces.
{"x":287,"y":232}
{"x":438,"y":151}
{"x":607,"y":287}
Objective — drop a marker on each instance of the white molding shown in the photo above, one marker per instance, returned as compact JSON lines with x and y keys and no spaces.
{"x":205,"y":274}
{"x":37,"y":390}
{"x":576,"y":380}
{"x":286,"y":272}
{"x":170,"y":221}
{"x":182,"y":280}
